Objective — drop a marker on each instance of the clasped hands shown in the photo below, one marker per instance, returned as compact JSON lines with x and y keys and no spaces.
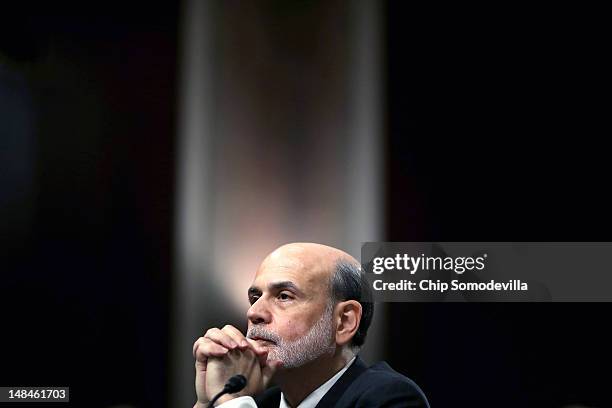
{"x":222,"y":353}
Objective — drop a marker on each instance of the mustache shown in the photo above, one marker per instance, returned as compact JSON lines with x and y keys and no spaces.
{"x":264,"y":334}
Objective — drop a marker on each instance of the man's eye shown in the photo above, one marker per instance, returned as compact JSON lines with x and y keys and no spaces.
{"x":253,"y":299}
{"x":284,"y":296}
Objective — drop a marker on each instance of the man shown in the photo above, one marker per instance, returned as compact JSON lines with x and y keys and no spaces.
{"x":306,"y":323}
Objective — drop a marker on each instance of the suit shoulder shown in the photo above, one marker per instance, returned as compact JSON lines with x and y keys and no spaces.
{"x":382,"y":372}
{"x":387,"y":387}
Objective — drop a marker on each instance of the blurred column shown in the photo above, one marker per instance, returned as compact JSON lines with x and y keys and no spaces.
{"x":364,"y":219}
{"x":280,"y":140}
{"x":193,"y":213}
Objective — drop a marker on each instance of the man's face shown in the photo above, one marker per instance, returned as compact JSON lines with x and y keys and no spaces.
{"x":290,"y":311}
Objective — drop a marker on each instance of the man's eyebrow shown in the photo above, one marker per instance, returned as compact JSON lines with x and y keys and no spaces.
{"x":284,"y":285}
{"x":254,"y":290}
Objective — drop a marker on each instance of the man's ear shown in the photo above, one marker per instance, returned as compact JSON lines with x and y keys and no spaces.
{"x":347,"y":316}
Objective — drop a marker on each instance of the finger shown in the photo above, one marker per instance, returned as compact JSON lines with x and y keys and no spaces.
{"x":196,"y":344}
{"x":249,"y":354}
{"x":208,"y":348}
{"x":257,"y":362}
{"x":260,"y":352}
{"x":263,"y":358}
{"x":236,"y":335}
{"x":269,"y":370}
{"x":221,"y":338}
{"x":205,"y":342}
{"x":257,"y":348}
{"x":200,"y":366}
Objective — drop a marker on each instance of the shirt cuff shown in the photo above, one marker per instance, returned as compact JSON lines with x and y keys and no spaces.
{"x":240,"y":402}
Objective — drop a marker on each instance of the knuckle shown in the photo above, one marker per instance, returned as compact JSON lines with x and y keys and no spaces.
{"x":207,"y":344}
{"x":229,"y":329}
{"x":211,"y":332}
{"x":207,"y":352}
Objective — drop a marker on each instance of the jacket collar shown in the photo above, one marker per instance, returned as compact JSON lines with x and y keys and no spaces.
{"x":335,"y":392}
{"x":271,"y":397}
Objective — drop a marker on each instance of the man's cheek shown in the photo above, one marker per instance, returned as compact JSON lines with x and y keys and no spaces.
{"x":293,"y":330}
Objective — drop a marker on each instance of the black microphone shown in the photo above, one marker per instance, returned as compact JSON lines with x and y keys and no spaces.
{"x":232,"y":386}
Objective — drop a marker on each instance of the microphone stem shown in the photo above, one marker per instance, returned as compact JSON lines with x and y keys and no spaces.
{"x":211,"y":404}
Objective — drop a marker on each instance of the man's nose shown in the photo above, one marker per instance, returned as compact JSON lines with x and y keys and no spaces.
{"x":258,"y":313}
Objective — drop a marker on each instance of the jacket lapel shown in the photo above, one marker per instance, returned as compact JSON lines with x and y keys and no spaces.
{"x":336,"y":391}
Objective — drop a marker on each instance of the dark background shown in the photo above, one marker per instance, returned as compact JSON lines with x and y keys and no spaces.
{"x":85,"y":293}
{"x":495,"y":131}
{"x":504,"y":108}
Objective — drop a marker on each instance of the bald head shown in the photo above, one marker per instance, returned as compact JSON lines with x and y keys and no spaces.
{"x":319,"y":261}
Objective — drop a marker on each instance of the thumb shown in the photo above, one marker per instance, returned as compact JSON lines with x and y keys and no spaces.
{"x":200,"y":366}
{"x":269,"y":370}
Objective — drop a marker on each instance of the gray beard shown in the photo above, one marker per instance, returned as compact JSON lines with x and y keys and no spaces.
{"x":317,"y":342}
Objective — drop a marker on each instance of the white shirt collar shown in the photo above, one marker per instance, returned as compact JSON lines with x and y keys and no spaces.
{"x":314,"y":397}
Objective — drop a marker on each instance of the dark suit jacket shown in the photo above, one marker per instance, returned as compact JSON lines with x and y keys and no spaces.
{"x":361,"y":387}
